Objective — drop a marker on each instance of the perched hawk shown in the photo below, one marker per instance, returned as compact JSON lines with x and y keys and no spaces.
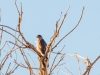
{"x":40,"y":44}
{"x":41,"y":47}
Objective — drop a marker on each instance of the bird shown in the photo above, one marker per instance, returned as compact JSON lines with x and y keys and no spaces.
{"x":41,"y":44}
{"x":41,"y":47}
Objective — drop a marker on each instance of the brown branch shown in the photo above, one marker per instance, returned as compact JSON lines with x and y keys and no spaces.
{"x":8,"y":27}
{"x":15,"y":40}
{"x":3,"y":62}
{"x":57,"y":22}
{"x":62,"y":71}
{"x":32,"y":60}
{"x":29,"y":45}
{"x":95,"y":60}
{"x":69,"y":71}
{"x":12,"y":35}
{"x":55,"y":59}
{"x":17,"y":45}
{"x":6,"y":56}
{"x":27,"y":62}
{"x":71,"y":30}
{"x":20,"y":64}
{"x":8,"y":67}
{"x":51,"y":41}
{"x":16,"y":7}
{"x":14,"y":69}
{"x":63,"y":19}
{"x":78,"y":65}
{"x":1,"y":35}
{"x":56,"y":33}
{"x":3,"y":46}
{"x":19,"y":20}
{"x":89,"y":66}
{"x":62,"y":64}
{"x":62,"y":57}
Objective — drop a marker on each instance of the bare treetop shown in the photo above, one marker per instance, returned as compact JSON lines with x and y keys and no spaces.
{"x":42,"y":50}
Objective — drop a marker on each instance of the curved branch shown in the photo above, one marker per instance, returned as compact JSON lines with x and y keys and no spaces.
{"x":3,"y":46}
{"x":9,"y":27}
{"x":19,"y":20}
{"x":57,"y":31}
{"x":63,"y":20}
{"x":88,"y":67}
{"x":71,"y":30}
{"x":55,"y":59}
{"x":12,"y":35}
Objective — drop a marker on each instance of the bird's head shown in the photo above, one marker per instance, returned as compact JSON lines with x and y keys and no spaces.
{"x":38,"y":37}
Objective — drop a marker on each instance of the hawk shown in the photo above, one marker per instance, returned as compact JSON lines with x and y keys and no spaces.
{"x":41,"y":46}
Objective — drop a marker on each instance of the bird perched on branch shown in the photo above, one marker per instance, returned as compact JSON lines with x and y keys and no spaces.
{"x":41,"y":46}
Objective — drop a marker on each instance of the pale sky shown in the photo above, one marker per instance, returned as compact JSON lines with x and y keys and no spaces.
{"x":39,"y":17}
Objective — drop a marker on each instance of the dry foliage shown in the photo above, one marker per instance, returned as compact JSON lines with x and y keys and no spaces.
{"x":22,"y":44}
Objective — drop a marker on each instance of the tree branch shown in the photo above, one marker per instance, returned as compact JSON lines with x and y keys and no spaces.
{"x":71,"y":30}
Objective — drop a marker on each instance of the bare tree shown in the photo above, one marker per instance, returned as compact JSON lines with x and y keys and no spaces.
{"x":21,"y":44}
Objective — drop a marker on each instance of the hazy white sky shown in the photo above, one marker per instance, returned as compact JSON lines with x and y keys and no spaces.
{"x":39,"y":17}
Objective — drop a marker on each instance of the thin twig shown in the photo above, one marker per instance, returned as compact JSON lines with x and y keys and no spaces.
{"x":31,"y":59}
{"x":8,"y":67}
{"x":78,"y":65}
{"x":19,"y":64}
{"x":6,"y":56}
{"x":62,"y":71}
{"x":55,"y":59}
{"x":27,"y":62}
{"x":14,"y":69}
{"x":3,"y":46}
{"x":62,"y":57}
{"x":69,"y":68}
{"x":71,"y":30}
{"x":89,"y":66}
{"x":1,"y":32}
{"x":17,"y":7}
{"x":63,"y":19}
{"x":8,"y":27}
{"x":12,"y":35}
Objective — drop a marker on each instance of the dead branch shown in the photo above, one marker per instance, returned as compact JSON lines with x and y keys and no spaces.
{"x":6,"y":57}
{"x":78,"y":65}
{"x":51,"y":41}
{"x":71,"y":30}
{"x":87,"y":62}
{"x":1,"y":32}
{"x":89,"y":65}
{"x":3,"y":46}
{"x":57,"y":32}
{"x":8,"y":27}
{"x":61,"y":58}
{"x":27,"y":62}
{"x":43,"y":63}
{"x":62,"y":71}
{"x":12,"y":71}
{"x":55,"y":59}
{"x":20,"y":64}
{"x":12,"y":35}
{"x":8,"y":67}
{"x":23,"y":66}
